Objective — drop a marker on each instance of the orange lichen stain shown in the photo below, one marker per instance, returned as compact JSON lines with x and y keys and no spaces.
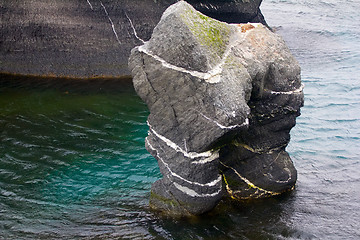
{"x":245,"y":27}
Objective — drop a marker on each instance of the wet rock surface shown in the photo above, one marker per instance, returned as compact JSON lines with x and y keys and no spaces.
{"x":85,"y":38}
{"x":222,"y":100}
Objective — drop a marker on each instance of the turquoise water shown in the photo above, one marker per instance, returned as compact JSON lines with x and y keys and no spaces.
{"x":73,"y":163}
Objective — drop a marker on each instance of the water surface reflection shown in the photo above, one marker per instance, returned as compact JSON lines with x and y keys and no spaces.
{"x":73,"y":165}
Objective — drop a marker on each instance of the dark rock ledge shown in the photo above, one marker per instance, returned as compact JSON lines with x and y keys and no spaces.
{"x":87,"y":38}
{"x":222,"y":100}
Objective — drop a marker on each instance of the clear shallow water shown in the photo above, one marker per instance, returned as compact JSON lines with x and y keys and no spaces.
{"x":73,"y":163}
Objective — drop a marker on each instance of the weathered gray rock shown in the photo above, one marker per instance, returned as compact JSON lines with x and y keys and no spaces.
{"x":222,"y":100}
{"x":85,"y":38}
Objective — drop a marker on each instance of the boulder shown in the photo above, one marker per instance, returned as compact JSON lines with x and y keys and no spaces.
{"x":222,"y":100}
{"x":86,"y":38}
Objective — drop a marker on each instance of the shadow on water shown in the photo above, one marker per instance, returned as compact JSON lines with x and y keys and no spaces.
{"x":73,"y":165}
{"x":260,"y":219}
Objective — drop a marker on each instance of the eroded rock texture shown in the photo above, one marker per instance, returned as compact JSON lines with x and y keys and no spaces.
{"x":222,"y":100}
{"x":85,"y":38}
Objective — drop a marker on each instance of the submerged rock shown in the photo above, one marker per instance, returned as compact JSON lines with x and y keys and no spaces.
{"x":222,"y":100}
{"x":90,"y":38}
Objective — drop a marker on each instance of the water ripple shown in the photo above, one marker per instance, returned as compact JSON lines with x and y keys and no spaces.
{"x":73,"y":165}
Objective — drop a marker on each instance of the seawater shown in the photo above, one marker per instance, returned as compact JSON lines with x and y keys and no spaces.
{"x":73,"y":163}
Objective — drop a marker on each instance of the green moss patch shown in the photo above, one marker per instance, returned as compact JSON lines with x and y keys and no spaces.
{"x":209,"y":32}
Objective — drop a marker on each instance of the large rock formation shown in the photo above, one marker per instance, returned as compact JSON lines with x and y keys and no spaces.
{"x":85,"y":38}
{"x":222,"y":100}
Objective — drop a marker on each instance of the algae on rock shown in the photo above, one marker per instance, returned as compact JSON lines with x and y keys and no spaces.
{"x":210,"y":33}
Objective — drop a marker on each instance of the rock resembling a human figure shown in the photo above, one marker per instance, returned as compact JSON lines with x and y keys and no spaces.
{"x":222,"y":100}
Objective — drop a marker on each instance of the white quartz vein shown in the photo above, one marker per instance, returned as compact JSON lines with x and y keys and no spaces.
{"x":210,"y":184}
{"x":186,"y":149}
{"x":193,"y":193}
{"x":213,"y":75}
{"x":207,"y":156}
{"x":111,"y":22}
{"x":177,"y":148}
{"x":296,"y":91}
{"x":201,"y":75}
{"x":245,"y":123}
{"x":133,"y":28}
{"x":90,"y":4}
{"x":213,"y":157}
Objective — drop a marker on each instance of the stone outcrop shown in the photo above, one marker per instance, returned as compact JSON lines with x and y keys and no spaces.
{"x":222,"y":100}
{"x":85,"y":38}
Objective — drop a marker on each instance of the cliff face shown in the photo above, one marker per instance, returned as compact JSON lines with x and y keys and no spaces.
{"x":222,"y":100}
{"x":86,"y":38}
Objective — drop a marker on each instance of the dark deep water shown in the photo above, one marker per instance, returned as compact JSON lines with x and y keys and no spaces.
{"x":73,"y":163}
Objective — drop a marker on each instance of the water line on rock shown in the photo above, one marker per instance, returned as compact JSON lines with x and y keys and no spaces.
{"x":111,"y":22}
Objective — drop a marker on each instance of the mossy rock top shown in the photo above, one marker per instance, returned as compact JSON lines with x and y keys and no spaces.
{"x":189,"y":39}
{"x":210,"y":33}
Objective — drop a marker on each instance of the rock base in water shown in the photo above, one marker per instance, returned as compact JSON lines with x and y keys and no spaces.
{"x":222,"y":100}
